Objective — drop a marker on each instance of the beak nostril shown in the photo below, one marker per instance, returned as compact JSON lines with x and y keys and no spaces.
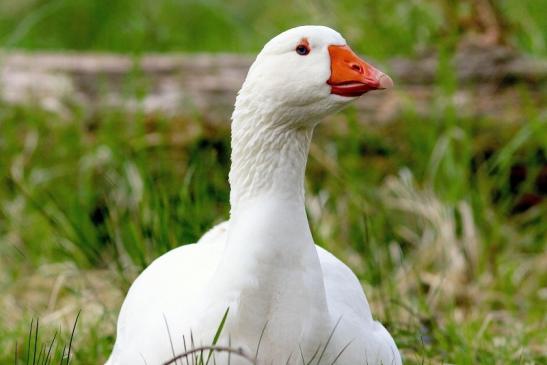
{"x":357,"y":67}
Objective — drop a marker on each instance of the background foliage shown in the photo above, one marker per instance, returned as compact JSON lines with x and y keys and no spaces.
{"x":384,"y":29}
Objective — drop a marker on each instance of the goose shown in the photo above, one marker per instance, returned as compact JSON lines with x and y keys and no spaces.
{"x":257,"y":282}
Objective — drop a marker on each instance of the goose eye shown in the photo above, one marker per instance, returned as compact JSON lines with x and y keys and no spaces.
{"x":302,"y":49}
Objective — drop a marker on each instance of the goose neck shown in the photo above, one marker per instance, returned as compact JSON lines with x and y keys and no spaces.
{"x":268,"y":159}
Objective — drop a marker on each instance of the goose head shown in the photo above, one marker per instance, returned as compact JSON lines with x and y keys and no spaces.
{"x":306,"y":73}
{"x":299,"y":77}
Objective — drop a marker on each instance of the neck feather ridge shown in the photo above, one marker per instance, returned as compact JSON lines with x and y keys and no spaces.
{"x":268,"y":156}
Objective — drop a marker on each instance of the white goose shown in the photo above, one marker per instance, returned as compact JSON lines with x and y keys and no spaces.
{"x":263,"y":264}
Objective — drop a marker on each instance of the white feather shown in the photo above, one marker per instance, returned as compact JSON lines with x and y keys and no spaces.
{"x":263,"y":264}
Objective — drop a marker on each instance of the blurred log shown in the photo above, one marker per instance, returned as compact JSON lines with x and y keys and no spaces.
{"x":207,"y":84}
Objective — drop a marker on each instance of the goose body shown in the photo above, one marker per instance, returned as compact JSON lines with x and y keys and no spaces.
{"x":288,"y":300}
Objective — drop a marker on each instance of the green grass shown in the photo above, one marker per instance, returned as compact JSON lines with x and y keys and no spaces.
{"x":423,"y":209}
{"x":378,"y":29}
{"x":108,"y":193}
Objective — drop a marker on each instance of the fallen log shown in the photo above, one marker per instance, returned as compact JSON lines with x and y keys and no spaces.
{"x":493,"y":82}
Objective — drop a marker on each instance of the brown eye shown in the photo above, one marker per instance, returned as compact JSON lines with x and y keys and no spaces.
{"x":302,"y":49}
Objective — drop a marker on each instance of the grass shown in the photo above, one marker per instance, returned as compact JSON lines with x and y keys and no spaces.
{"x":425,"y":211}
{"x":452,"y":271}
{"x":386,"y":29}
{"x":38,"y":351}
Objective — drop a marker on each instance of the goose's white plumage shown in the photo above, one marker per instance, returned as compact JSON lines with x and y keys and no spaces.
{"x":262,"y":264}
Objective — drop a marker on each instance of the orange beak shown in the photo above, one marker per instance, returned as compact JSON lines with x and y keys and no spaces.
{"x":351,"y":76}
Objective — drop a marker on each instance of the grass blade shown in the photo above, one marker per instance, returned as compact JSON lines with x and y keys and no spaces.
{"x":217,"y":334}
{"x":72,"y":338}
{"x":170,"y":338}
